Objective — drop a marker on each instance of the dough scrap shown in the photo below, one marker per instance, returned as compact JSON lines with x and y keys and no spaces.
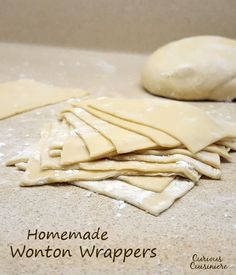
{"x":200,"y":167}
{"x":154,"y":184}
{"x":26,"y":94}
{"x":177,"y":119}
{"x":194,"y":68}
{"x":124,"y":141}
{"x":151,"y":202}
{"x":181,"y":168}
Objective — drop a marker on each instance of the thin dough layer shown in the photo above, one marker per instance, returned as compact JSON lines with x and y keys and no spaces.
{"x":124,"y":141}
{"x":154,"y":184}
{"x":26,"y":94}
{"x":97,"y":144}
{"x":200,"y":167}
{"x":151,"y":202}
{"x":210,"y":158}
{"x":177,"y":119}
{"x":181,"y":168}
{"x":160,"y":138}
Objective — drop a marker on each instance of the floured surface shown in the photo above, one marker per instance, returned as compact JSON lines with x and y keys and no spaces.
{"x":193,"y":225}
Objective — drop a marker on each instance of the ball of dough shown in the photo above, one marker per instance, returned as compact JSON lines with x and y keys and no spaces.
{"x":195,"y":68}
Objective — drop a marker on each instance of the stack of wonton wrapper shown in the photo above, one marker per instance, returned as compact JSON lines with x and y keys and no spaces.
{"x":145,"y":152}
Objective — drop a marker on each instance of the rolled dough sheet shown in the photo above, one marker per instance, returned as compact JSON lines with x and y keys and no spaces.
{"x":187,"y":123}
{"x":160,"y":138}
{"x":151,"y":202}
{"x":200,"y":167}
{"x":210,"y":158}
{"x":97,"y":144}
{"x":154,"y":184}
{"x":26,"y":94}
{"x":124,"y":141}
{"x":182,"y":168}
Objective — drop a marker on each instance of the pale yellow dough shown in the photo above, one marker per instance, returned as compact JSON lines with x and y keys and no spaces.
{"x":25,"y":94}
{"x":160,"y":138}
{"x":187,"y":123}
{"x":200,"y":167}
{"x":53,"y":153}
{"x":210,"y":158}
{"x":97,"y":144}
{"x":74,"y":150}
{"x":151,"y":202}
{"x":60,"y":131}
{"x":193,"y":68}
{"x":181,"y":168}
{"x":124,"y":141}
{"x":154,"y":184}
{"x":35,"y":176}
{"x":220,"y":150}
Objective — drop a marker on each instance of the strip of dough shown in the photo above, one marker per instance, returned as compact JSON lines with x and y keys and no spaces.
{"x":160,"y":138}
{"x":124,"y":141}
{"x":200,"y":167}
{"x":220,"y":150}
{"x":23,"y":156}
{"x":53,"y":153}
{"x":60,"y":131}
{"x":97,"y":144}
{"x":35,"y":176}
{"x":25,"y":94}
{"x":154,"y":184}
{"x":228,"y":143}
{"x":210,"y":158}
{"x":22,"y":166}
{"x":181,"y":168}
{"x":151,"y":202}
{"x":187,"y":123}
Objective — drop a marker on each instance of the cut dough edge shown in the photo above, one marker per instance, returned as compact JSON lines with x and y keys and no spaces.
{"x":150,"y":112}
{"x":151,"y":202}
{"x":37,"y":94}
{"x":159,"y":137}
{"x":123,"y":140}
